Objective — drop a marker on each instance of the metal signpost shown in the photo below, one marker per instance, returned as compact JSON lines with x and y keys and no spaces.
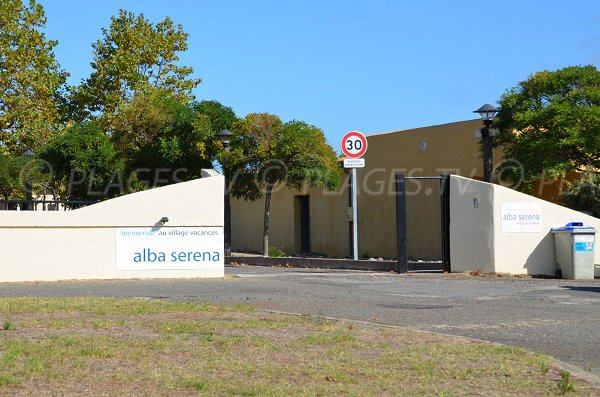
{"x":354,"y":146}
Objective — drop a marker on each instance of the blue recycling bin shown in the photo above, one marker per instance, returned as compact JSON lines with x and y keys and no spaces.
{"x":574,"y":245}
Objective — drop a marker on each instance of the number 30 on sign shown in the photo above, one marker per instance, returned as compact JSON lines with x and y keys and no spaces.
{"x":354,"y":144}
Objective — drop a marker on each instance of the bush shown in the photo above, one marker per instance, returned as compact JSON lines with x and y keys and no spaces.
{"x":584,"y":194}
{"x":275,"y":252}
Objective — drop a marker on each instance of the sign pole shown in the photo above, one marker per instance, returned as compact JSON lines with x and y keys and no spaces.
{"x":354,"y":146}
{"x":354,"y":216}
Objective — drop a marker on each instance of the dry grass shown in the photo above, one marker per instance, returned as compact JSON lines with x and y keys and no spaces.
{"x":109,"y":347}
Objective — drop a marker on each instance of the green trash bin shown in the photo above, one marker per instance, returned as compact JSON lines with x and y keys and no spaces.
{"x":574,"y":246}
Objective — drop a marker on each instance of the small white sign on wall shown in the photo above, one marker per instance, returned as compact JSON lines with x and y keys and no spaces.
{"x":169,"y":248}
{"x":521,"y":218}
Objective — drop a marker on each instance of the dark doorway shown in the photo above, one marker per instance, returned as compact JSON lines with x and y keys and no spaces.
{"x":423,"y":222}
{"x":302,"y":209}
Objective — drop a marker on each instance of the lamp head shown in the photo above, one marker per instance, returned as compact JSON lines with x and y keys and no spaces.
{"x":225,"y":137}
{"x":487,"y":112}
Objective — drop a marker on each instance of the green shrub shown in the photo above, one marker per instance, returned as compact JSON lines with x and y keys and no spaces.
{"x":8,"y":325}
{"x":275,"y":252}
{"x":584,"y":194}
{"x":566,"y":385}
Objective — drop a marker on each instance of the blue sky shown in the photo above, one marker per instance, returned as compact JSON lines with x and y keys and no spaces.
{"x":372,"y":66}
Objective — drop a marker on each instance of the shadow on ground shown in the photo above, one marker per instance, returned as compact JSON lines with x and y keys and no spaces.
{"x":582,"y":289}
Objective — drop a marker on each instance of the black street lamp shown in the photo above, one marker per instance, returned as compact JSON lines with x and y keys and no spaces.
{"x":28,"y":154}
{"x":487,"y":113}
{"x":225,"y":138}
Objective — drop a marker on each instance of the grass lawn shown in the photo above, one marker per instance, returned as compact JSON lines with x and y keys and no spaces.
{"x":112,"y":347}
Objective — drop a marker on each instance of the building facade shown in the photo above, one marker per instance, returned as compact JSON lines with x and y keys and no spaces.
{"x":318,"y":221}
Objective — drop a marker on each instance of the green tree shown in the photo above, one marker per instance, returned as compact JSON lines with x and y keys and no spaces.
{"x":85,"y":164}
{"x":132,"y":55}
{"x":162,"y":140}
{"x":292,"y":154}
{"x":550,"y":123}
{"x":11,"y":186}
{"x":31,"y":81}
{"x":221,"y":117}
{"x":584,"y":194}
{"x":19,"y":173}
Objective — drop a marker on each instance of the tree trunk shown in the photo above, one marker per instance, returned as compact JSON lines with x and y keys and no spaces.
{"x":266,"y":219}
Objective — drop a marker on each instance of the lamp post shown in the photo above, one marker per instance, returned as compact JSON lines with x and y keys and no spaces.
{"x":225,"y":138}
{"x":28,"y":154}
{"x":487,"y":113}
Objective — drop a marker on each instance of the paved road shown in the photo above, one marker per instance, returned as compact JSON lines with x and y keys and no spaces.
{"x":556,"y":317}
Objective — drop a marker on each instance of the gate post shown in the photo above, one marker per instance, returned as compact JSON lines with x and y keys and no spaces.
{"x":445,"y":199}
{"x":401,"y":230}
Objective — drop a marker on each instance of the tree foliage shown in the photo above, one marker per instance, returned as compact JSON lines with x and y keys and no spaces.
{"x":132,"y":55}
{"x":85,"y":164}
{"x":19,"y":171}
{"x":133,"y":113}
{"x":250,"y":149}
{"x":11,"y":186}
{"x":271,"y":152}
{"x":31,"y":80}
{"x":156,"y":133}
{"x":218,"y":117}
{"x":551,"y":123}
{"x":293,"y":153}
{"x":221,"y":117}
{"x":584,"y":194}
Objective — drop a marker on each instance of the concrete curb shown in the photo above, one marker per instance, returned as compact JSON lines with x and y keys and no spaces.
{"x":580,"y":373}
{"x":322,"y":263}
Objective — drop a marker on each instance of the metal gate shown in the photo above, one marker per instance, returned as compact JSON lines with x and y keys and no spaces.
{"x":422,"y":223}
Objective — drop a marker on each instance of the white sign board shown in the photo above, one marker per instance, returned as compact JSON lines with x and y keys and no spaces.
{"x":354,"y":163}
{"x":521,"y":218}
{"x":169,"y":248}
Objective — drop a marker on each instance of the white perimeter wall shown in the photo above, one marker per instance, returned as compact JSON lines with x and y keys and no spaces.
{"x":477,"y":242}
{"x":80,"y":244}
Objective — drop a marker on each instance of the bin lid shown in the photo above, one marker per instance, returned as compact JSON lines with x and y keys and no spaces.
{"x":574,"y":226}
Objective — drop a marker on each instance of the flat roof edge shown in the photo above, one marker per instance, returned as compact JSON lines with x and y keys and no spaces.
{"x":423,"y":127}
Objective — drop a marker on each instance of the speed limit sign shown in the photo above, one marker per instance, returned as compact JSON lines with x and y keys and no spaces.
{"x":354,"y":144}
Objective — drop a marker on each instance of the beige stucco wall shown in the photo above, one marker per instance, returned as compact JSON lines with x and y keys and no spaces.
{"x":328,"y":221}
{"x":471,"y":229}
{"x":80,"y":244}
{"x":477,"y":241}
{"x":451,"y":148}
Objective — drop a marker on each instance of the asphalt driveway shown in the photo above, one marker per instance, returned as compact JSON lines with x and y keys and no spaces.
{"x":557,"y":317}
